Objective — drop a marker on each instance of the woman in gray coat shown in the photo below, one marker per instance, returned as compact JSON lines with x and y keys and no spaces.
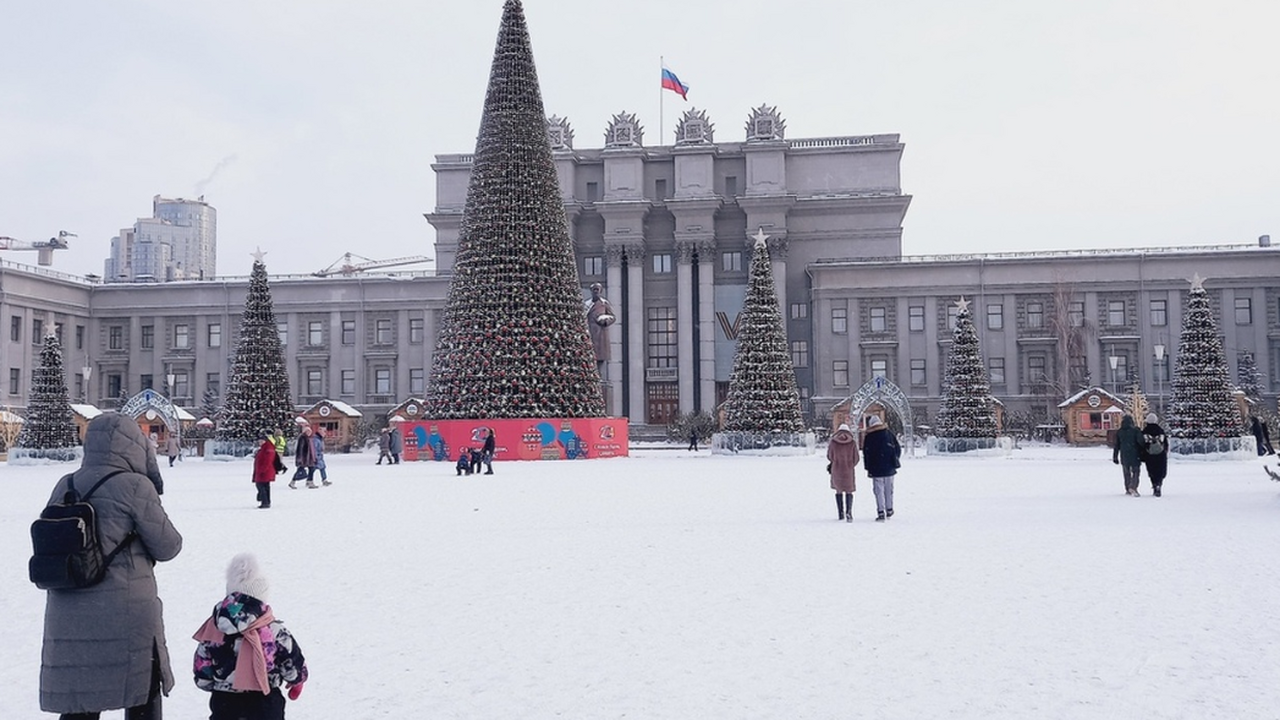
{"x":104,"y":646}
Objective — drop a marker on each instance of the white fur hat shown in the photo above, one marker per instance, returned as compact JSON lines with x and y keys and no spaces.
{"x":873,"y":421}
{"x":245,"y":577}
{"x":1152,"y":419}
{"x":845,"y":427}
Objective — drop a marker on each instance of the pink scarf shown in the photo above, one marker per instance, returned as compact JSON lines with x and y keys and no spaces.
{"x":251,"y":662}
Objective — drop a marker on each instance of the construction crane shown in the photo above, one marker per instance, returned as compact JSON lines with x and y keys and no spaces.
{"x":347,"y":266}
{"x":45,"y":249}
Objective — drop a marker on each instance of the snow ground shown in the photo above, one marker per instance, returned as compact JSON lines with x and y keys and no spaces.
{"x":681,"y":585}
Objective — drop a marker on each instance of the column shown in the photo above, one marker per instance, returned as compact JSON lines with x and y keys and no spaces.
{"x":637,"y":410}
{"x":613,"y":293}
{"x":778,"y":264}
{"x":684,"y":323}
{"x":707,"y":325}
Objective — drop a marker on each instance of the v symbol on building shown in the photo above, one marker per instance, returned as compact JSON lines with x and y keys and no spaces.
{"x":730,"y":330}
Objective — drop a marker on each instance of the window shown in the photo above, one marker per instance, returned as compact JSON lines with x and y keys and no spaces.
{"x":115,"y":385}
{"x":879,"y":367}
{"x":348,"y":332}
{"x":661,"y":263}
{"x":995,"y":368}
{"x":382,"y":381}
{"x":915,"y":318}
{"x":79,"y":385}
{"x":1075,"y":313}
{"x":382,"y":332}
{"x":917,"y":373}
{"x":182,"y":336}
{"x":731,"y":261}
{"x":416,"y":326}
{"x":348,"y":382}
{"x":1159,"y":313}
{"x":1100,"y":421}
{"x":800,"y":353}
{"x":662,"y":337}
{"x":213,"y":383}
{"x":995,"y":317}
{"x":593,"y":265}
{"x":214,"y":334}
{"x":282,"y":331}
{"x":840,"y":373}
{"x":1035,"y":315}
{"x":799,"y":311}
{"x":37,"y":332}
{"x":15,"y":380}
{"x":315,"y":333}
{"x":660,"y":189}
{"x":79,"y":337}
{"x":181,"y":384}
{"x":953,"y":312}
{"x":731,"y":185}
{"x":1244,"y":311}
{"x":15,"y":328}
{"x":315,"y":382}
{"x":57,"y":332}
{"x":877,"y":319}
{"x":416,"y":383}
{"x":115,"y":337}
{"x":839,"y":320}
{"x":1036,"y":376}
{"x":1122,"y":369}
{"x":147,"y":382}
{"x":593,"y":192}
{"x":1115,"y":313}
{"x":147,"y":340}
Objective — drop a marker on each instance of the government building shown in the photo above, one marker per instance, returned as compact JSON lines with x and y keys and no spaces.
{"x":667,"y":231}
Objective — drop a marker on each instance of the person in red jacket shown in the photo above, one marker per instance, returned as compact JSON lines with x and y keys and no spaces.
{"x":265,"y":465}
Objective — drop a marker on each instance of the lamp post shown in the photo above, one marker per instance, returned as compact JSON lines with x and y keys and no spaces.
{"x":177,"y":422}
{"x":87,"y":370}
{"x":1159,"y":348}
{"x":1115,"y":363}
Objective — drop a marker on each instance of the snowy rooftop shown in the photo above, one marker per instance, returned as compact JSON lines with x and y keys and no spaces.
{"x":1050,"y":254}
{"x":338,"y":405}
{"x":88,"y":412}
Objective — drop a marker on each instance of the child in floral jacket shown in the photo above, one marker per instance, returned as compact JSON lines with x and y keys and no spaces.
{"x":244,"y":654}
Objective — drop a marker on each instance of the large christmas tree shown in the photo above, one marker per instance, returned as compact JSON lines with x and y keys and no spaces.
{"x":513,"y":341}
{"x":968,"y":408}
{"x":258,"y":391}
{"x":1203,"y":406}
{"x":48,"y":423}
{"x":762,"y":388}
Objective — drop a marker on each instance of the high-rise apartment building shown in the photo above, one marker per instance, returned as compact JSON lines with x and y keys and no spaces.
{"x":178,"y":242}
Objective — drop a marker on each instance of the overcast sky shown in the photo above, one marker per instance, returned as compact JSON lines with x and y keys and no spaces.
{"x":311,"y":125}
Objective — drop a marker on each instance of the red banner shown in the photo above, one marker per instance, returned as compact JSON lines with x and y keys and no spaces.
{"x":575,"y":439}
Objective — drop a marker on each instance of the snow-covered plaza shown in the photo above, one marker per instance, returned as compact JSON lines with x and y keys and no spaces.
{"x":682,"y":585}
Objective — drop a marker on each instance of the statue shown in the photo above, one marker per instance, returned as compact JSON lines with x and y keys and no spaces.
{"x":600,"y":316}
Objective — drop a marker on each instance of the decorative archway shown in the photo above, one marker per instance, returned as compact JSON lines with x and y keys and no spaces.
{"x":882,"y":390}
{"x":154,"y":406}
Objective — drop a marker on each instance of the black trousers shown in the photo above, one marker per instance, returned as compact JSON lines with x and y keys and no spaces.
{"x":246,"y":705}
{"x":149,"y":711}
{"x":264,"y":493}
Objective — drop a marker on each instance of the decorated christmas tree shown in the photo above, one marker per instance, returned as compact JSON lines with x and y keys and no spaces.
{"x":1136,"y":405}
{"x":258,"y":392}
{"x":513,"y":341}
{"x":762,"y":388}
{"x":1202,"y":406}
{"x":48,"y":423}
{"x":968,"y":408}
{"x":1248,"y":379}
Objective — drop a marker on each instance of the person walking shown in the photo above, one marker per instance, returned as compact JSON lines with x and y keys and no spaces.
{"x":104,"y":645}
{"x":384,"y":446}
{"x":317,"y":445}
{"x":842,"y":456}
{"x":245,"y":655}
{"x":304,"y":456}
{"x":490,"y":447}
{"x":693,"y":441}
{"x":1262,"y":435}
{"x":880,"y":458}
{"x":266,"y":465}
{"x":1128,"y":454}
{"x":395,"y":445}
{"x":172,"y":448}
{"x":1155,"y":453}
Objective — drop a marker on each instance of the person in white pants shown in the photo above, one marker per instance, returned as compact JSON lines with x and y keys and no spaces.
{"x":880,"y":458}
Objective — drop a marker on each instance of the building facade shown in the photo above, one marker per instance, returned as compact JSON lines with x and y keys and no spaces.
{"x":178,"y":242}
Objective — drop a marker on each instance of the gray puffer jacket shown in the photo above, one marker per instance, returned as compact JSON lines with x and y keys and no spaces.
{"x":99,"y":641}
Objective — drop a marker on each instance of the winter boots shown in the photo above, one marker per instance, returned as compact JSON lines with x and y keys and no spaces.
{"x":293,"y":484}
{"x":848,"y":507}
{"x":1155,"y":490}
{"x":840,"y":506}
{"x":879,"y":517}
{"x":888,"y":513}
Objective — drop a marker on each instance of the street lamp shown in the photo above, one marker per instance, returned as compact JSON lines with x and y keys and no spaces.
{"x":87,"y":370}
{"x":1159,"y":348}
{"x":1115,"y":363}
{"x":177,"y":422}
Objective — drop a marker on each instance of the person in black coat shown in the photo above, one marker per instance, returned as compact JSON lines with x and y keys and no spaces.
{"x":490,"y":446}
{"x":880,"y":453}
{"x":1128,"y":454}
{"x":1155,"y":453}
{"x":1262,"y":435}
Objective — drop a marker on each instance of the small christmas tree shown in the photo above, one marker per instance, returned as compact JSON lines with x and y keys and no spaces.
{"x":48,"y":423}
{"x":762,"y":387}
{"x":1202,"y":405}
{"x":513,"y":342}
{"x":1248,"y":379}
{"x":209,"y":405}
{"x":258,"y":392}
{"x":968,"y":408}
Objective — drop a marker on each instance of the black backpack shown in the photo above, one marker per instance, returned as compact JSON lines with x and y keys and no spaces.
{"x":67,"y":553}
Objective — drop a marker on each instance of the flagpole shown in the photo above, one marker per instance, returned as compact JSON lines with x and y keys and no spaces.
{"x":662,"y":138}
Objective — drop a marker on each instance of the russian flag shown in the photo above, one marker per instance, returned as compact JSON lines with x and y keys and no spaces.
{"x":671,"y":82}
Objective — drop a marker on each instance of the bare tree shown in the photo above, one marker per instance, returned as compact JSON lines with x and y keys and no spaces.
{"x":1072,"y":334}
